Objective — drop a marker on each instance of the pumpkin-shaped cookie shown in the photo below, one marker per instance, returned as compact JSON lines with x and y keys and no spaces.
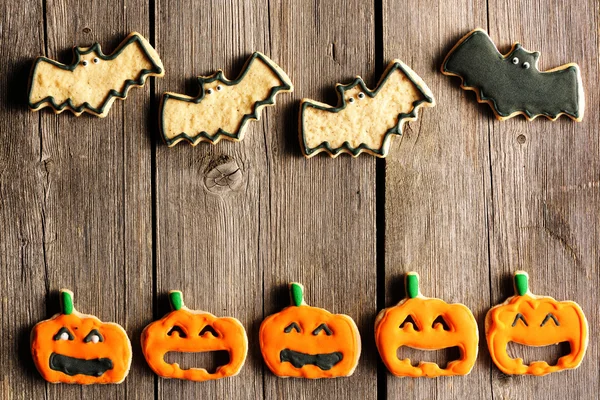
{"x":190,"y":331}
{"x":309,"y":342}
{"x":72,"y":347}
{"x":427,"y":324}
{"x":533,"y":320}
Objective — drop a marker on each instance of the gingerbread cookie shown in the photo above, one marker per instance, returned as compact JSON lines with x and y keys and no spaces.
{"x":364,"y":120}
{"x":72,"y":347}
{"x":309,"y":342}
{"x":533,"y":320}
{"x":223,"y":107}
{"x":93,"y":81}
{"x":427,"y":324}
{"x":512,"y":84}
{"x":190,"y":331}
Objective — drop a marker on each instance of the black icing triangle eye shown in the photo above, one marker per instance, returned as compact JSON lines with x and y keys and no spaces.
{"x":94,"y":336}
{"x":409,"y":320}
{"x":549,"y":317}
{"x":210,"y":329}
{"x":518,"y":317}
{"x":440,"y":320}
{"x":63,"y":334}
{"x":323,"y":328}
{"x":291,"y":327}
{"x":177,"y":329}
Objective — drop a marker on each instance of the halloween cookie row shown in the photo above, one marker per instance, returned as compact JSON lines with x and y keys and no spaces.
{"x":309,"y":342}
{"x":363,"y":121}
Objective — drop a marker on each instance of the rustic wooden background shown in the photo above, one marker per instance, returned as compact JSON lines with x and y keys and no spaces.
{"x":101,"y":206}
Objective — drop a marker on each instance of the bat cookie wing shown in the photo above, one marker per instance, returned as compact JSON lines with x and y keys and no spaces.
{"x":512,"y":83}
{"x":222,"y":108}
{"x":93,"y":81}
{"x":364,"y":120}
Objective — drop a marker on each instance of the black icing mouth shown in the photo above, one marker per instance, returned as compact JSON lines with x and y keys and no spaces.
{"x":299,"y":360}
{"x":76,"y":366}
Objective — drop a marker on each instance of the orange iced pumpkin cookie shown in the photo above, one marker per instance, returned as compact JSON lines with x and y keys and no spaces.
{"x":533,"y":320}
{"x":190,"y":331}
{"x":72,"y":347}
{"x":427,"y":324}
{"x":309,"y":342}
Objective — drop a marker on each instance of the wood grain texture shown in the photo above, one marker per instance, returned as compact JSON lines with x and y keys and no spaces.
{"x":22,"y":189}
{"x":436,"y":189}
{"x":211,"y":243}
{"x":97,"y":205}
{"x":321,"y":230}
{"x":546,"y":194}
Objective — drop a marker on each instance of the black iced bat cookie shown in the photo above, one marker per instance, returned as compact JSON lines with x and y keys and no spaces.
{"x":512,"y":84}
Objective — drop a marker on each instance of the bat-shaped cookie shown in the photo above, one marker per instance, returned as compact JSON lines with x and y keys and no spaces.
{"x":223,"y":107}
{"x":512,"y":84}
{"x":364,"y":119}
{"x":93,"y":81}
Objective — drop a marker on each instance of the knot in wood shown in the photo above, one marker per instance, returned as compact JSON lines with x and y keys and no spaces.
{"x":224,"y":177}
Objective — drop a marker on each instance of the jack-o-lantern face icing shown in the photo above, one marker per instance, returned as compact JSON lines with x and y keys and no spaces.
{"x":427,"y":324}
{"x":72,"y":347}
{"x":190,"y":331}
{"x":309,"y":342}
{"x":533,"y":320}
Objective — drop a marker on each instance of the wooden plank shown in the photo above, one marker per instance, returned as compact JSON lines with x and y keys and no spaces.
{"x":22,"y":187}
{"x":210,"y":242}
{"x":98,"y":209}
{"x":436,"y":187}
{"x":544,"y":213}
{"x":321,"y":230}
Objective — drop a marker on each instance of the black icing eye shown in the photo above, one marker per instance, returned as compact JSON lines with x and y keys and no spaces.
{"x":208,"y":329}
{"x":209,"y":91}
{"x":85,"y":63}
{"x":94,"y":336}
{"x":526,"y":65}
{"x":518,"y":317}
{"x":179,"y":331}
{"x":323,"y":328}
{"x":291,"y":327}
{"x":351,"y":100}
{"x":409,"y":321}
{"x":219,"y":88}
{"x":361,"y":95}
{"x":440,"y":321}
{"x":515,"y":60}
{"x":96,"y":60}
{"x":549,"y":317}
{"x":63,"y":334}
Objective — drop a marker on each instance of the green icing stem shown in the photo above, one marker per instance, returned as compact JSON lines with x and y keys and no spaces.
{"x":521,"y":283}
{"x":176,"y":300}
{"x":412,"y":285}
{"x":296,"y":294}
{"x":66,"y":302}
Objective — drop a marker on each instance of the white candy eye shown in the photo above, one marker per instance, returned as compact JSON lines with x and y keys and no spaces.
{"x":85,"y":63}
{"x":361,"y":95}
{"x":219,"y":88}
{"x":209,"y":91}
{"x":351,"y":100}
{"x":515,"y":60}
{"x":95,"y":339}
{"x":96,"y":60}
{"x":526,"y":65}
{"x":64,"y":336}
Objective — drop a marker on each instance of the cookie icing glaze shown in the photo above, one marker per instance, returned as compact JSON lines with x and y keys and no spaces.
{"x":309,"y":342}
{"x":533,"y":320}
{"x":190,"y":331}
{"x":72,"y":347}
{"x":427,"y":324}
{"x":512,"y":84}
